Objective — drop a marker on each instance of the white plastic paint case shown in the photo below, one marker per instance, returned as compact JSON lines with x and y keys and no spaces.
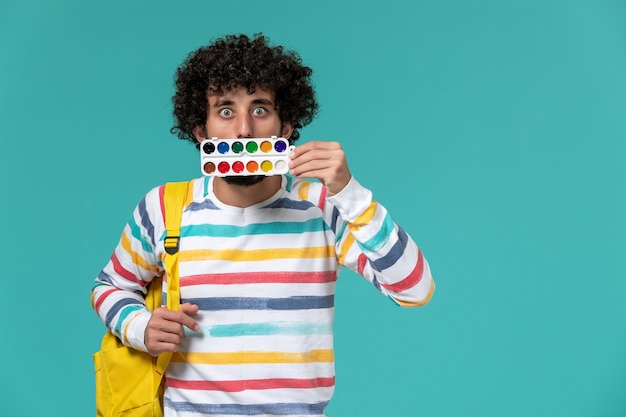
{"x":239,"y":157}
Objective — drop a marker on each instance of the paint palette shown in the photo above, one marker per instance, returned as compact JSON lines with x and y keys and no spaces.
{"x":236,"y":157}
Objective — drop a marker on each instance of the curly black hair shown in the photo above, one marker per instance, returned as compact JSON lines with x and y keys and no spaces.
{"x":239,"y":61}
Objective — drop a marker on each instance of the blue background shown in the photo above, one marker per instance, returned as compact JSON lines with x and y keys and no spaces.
{"x":493,"y":131}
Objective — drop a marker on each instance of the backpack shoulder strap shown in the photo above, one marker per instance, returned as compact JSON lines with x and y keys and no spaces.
{"x":175,"y":198}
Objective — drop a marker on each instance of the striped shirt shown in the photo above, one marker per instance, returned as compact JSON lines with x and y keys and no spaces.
{"x":264,"y":280}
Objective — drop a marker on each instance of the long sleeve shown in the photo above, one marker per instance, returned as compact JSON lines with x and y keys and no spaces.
{"x":371,"y":244}
{"x":118,"y":296}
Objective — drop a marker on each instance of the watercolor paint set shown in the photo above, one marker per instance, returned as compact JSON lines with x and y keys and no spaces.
{"x":252,"y":156}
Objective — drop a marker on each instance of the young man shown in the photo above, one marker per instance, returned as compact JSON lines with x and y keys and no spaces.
{"x":259,"y":255}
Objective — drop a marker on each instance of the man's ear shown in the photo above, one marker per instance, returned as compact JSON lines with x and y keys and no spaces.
{"x":199,"y":132}
{"x":287,"y":130}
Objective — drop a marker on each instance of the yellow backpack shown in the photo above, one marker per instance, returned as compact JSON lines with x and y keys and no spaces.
{"x":129,"y":382}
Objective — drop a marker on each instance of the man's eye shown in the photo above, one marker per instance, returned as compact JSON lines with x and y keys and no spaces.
{"x":226,"y":112}
{"x":259,"y":111}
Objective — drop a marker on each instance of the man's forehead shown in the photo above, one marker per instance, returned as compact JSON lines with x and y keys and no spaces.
{"x":221,"y":91}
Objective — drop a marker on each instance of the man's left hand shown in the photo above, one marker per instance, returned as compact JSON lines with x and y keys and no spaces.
{"x":325,"y":161}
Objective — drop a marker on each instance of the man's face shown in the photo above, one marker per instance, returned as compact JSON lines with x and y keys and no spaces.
{"x":237,"y":114}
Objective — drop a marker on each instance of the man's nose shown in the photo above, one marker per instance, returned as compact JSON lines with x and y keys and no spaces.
{"x":244,"y":126}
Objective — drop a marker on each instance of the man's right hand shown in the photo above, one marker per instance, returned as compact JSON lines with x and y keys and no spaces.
{"x":165,"y":328}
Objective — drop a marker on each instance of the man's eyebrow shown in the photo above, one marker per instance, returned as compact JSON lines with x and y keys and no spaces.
{"x":223,"y":102}
{"x":263,"y":101}
{"x":228,"y":102}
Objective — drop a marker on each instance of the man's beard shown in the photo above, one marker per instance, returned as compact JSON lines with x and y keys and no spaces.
{"x":244,"y":181}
